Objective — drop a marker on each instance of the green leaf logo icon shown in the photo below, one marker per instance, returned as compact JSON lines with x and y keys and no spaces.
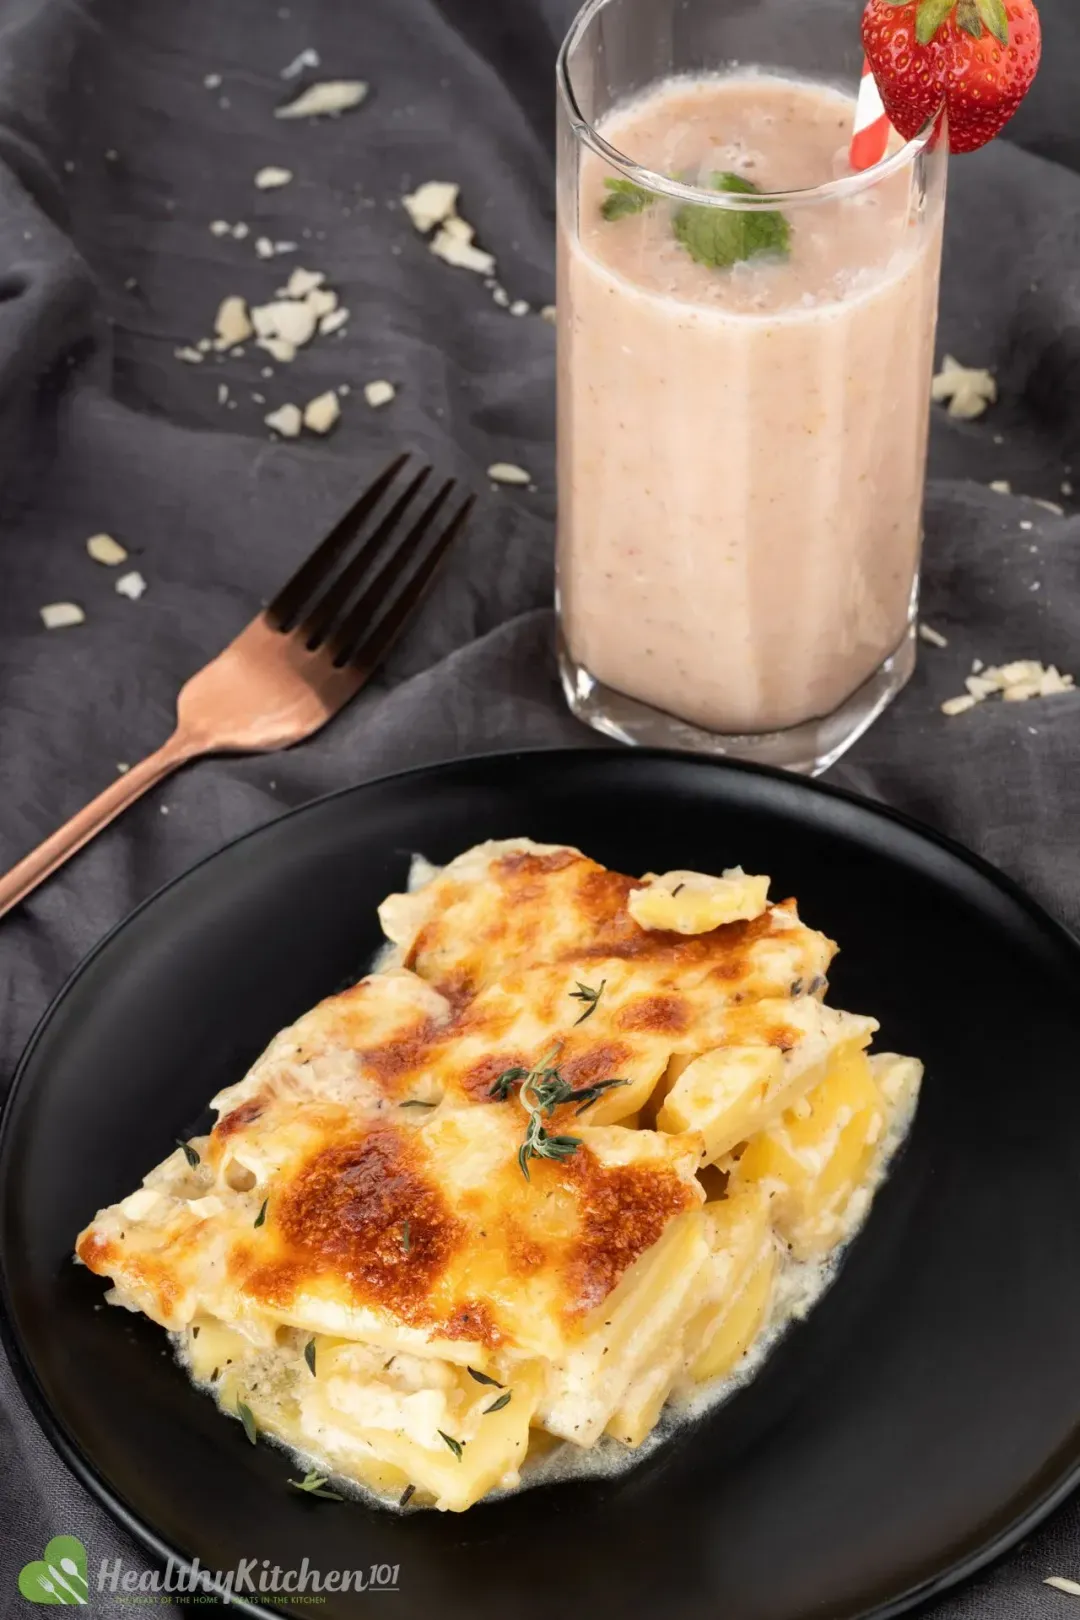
{"x":59,"y":1575}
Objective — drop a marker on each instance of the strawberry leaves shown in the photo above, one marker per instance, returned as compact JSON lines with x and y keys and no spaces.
{"x":996,"y":18}
{"x":929,"y":18}
{"x":971,"y":15}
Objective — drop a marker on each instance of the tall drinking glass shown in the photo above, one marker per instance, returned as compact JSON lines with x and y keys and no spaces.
{"x":745,"y":332}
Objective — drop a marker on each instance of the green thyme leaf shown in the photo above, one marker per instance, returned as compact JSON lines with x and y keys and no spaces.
{"x":261,"y":1216}
{"x":506,"y":1082}
{"x":190,"y":1154}
{"x":456,"y":1446}
{"x":244,"y":1413}
{"x":482,"y":1378}
{"x":584,"y":993}
{"x":309,"y":1356}
{"x":538,"y":1144}
{"x":314,"y":1484}
{"x":406,"y":1237}
{"x":406,"y":1496}
{"x":721,"y":237}
{"x":497,"y":1406}
{"x":625,"y":198}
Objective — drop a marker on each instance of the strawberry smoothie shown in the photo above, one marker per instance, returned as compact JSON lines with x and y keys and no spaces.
{"x":742,"y":444}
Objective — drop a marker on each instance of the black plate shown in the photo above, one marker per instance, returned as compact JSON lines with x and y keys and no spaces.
{"x":924,"y":1417}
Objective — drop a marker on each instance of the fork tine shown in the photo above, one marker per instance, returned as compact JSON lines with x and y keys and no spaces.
{"x":289,"y":603}
{"x":371,"y":650}
{"x":334,"y":600}
{"x":378,"y":590}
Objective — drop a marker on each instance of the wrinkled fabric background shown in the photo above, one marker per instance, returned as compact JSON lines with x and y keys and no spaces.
{"x":114,"y":158}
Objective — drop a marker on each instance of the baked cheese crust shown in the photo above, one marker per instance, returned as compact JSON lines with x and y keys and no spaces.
{"x":532,"y":1181}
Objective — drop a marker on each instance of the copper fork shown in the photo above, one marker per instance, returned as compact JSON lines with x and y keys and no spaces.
{"x":297,"y":663}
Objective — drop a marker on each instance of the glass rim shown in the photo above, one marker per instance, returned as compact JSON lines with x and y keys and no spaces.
{"x":847,"y":185}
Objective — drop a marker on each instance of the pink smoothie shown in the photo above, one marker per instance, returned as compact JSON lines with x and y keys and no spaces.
{"x":742,"y":451}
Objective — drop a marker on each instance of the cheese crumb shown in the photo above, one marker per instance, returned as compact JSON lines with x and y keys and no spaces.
{"x":286,"y":420}
{"x":321,"y":301}
{"x":1023,"y":679}
{"x":450,"y":246}
{"x":1001,"y":486}
{"x":240,"y":231}
{"x":968,"y":390}
{"x":264,"y":248}
{"x":548,"y":314}
{"x":505,"y":472}
{"x":302,"y":282}
{"x":232,"y":323}
{"x":321,"y":413}
{"x":278,"y":348}
{"x":933,"y":637}
{"x":285,"y":318}
{"x":380,"y":392}
{"x":1049,"y":506}
{"x":430,"y":204}
{"x":519,"y":307}
{"x":104,"y":549}
{"x":958,"y":705}
{"x":131,"y":585}
{"x":1063,"y":1584}
{"x":307,"y":58}
{"x":190,"y":357}
{"x":330,"y":96}
{"x":271,"y":178}
{"x":60,"y":615}
{"x":333,"y":322}
{"x":212,"y":81}
{"x":220,"y":227}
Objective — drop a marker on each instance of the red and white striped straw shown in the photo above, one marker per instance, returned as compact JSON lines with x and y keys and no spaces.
{"x":872,"y":127}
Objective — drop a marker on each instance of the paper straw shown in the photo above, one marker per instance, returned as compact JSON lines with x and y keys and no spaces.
{"x":872,"y":127}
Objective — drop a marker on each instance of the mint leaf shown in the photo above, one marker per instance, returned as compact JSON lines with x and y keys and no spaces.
{"x":625,"y":198}
{"x":720,"y":238}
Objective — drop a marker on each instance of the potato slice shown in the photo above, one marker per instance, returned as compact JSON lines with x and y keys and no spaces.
{"x":815,"y":1158}
{"x":737,"y":1325}
{"x":721,"y":1094}
{"x":694,"y":903}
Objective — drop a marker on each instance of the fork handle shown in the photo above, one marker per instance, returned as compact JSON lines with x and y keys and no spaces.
{"x":49,"y":856}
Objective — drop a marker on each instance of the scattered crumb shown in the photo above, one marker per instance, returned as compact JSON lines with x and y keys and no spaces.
{"x":976,"y":665}
{"x":264,"y":248}
{"x":431,"y":203}
{"x":240,"y":230}
{"x":463,"y":255}
{"x":190,"y":357}
{"x":380,"y":392}
{"x":286,"y":420}
{"x":333,"y":322}
{"x":164,"y":809}
{"x":220,"y":227}
{"x":331,"y":96}
{"x":232,"y":323}
{"x":1026,"y":526}
{"x":222,"y":393}
{"x":60,"y":615}
{"x":205,"y":345}
{"x":260,"y":399}
{"x":122,"y":767}
{"x":321,"y":413}
{"x":286,"y":319}
{"x":933,"y":637}
{"x":321,"y":301}
{"x":271,"y":178}
{"x":104,"y":549}
{"x":308,"y":58}
{"x":131,"y":585}
{"x":519,"y":307}
{"x":301,"y":282}
{"x":1066,"y":489}
{"x":500,"y":296}
{"x":212,"y":81}
{"x":285,"y":247}
{"x":548,"y":314}
{"x":344,"y":389}
{"x":1017,"y":682}
{"x":1063,"y":1584}
{"x":267,"y":371}
{"x":505,"y":472}
{"x":1001,"y":486}
{"x":1049,"y":506}
{"x":968,"y":390}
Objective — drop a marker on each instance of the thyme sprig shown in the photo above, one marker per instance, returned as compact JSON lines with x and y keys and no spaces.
{"x":543,"y":1089}
{"x":591,"y":997}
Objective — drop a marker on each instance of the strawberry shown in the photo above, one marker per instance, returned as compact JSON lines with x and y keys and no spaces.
{"x":977,"y":56}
